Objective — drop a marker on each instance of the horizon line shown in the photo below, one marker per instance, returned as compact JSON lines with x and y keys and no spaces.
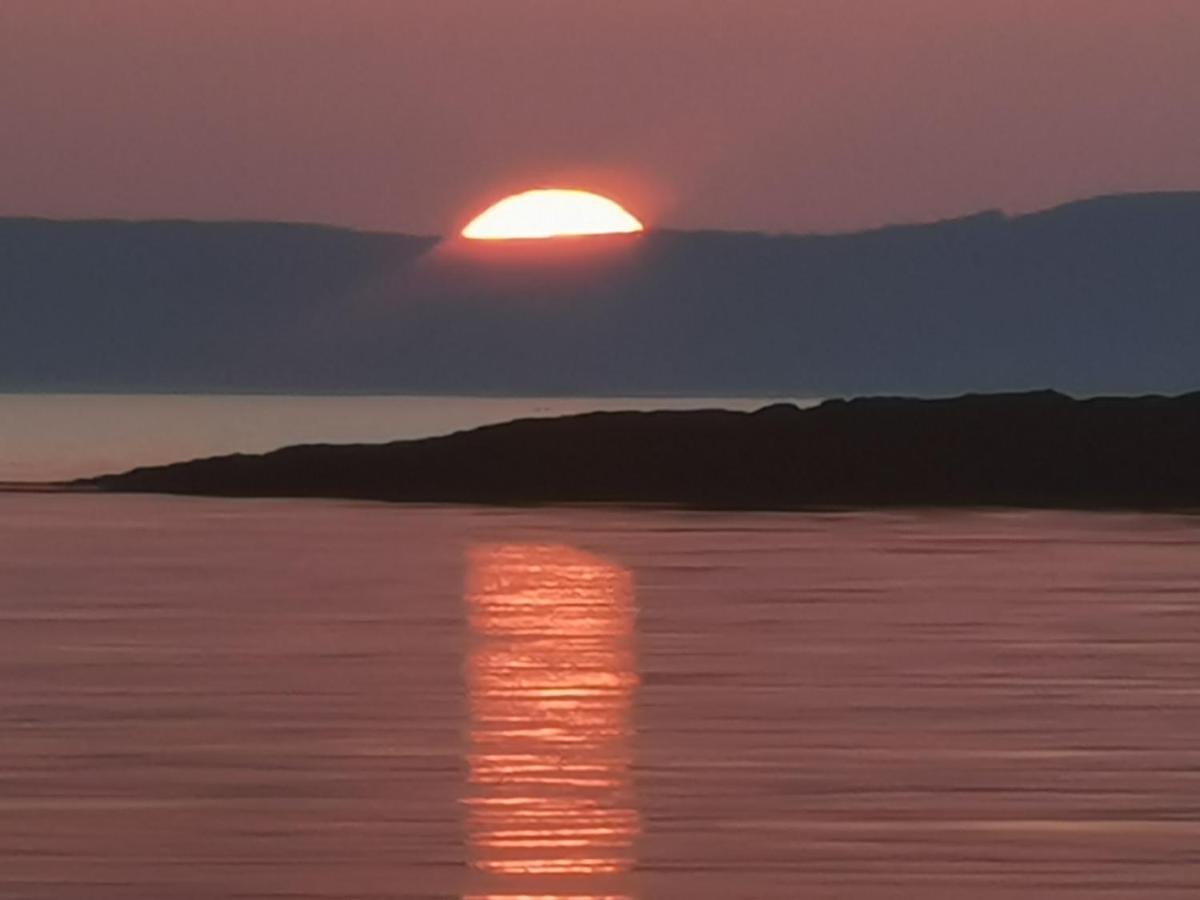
{"x":649,"y":228}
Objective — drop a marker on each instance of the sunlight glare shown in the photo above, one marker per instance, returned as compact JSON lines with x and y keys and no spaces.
{"x":549,"y":213}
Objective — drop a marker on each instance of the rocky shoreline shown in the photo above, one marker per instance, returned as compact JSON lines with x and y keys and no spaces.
{"x":1040,"y":449}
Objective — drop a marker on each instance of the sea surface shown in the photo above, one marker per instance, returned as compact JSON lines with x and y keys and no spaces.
{"x":53,"y":437}
{"x":306,"y":699}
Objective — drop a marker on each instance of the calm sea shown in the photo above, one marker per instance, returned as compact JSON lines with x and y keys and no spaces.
{"x":48,"y":437}
{"x":303,"y":699}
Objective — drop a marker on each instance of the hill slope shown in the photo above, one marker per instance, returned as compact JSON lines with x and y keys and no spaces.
{"x":1038,"y":449}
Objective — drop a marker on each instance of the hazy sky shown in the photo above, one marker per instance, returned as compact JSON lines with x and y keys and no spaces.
{"x":750,"y":114}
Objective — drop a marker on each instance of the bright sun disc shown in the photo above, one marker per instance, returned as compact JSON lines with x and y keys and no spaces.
{"x":550,"y":213}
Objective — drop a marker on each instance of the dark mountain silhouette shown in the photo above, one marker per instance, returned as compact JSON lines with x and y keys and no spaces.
{"x":1097,"y":296}
{"x":1040,"y":449}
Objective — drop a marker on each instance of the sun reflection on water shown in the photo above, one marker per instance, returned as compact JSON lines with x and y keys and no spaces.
{"x":551,"y":674}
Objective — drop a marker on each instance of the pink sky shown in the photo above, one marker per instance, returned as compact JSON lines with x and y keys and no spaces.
{"x":408,"y":115}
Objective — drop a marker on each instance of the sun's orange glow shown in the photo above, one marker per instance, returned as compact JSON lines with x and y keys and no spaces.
{"x":549,"y":213}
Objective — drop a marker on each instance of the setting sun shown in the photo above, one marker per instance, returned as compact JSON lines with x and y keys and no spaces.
{"x":551,"y":213}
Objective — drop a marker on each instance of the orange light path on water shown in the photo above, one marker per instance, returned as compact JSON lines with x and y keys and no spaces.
{"x":549,"y":213}
{"x":551,"y":678}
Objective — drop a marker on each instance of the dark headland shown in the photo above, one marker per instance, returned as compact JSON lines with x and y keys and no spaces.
{"x":1040,"y":449}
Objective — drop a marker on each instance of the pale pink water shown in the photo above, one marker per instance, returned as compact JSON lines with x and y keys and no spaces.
{"x":220,"y":699}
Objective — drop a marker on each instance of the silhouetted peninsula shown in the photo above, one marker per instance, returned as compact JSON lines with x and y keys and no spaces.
{"x":1040,"y":449}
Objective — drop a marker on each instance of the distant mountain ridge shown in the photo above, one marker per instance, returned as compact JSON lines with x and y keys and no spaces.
{"x":1101,"y":295}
